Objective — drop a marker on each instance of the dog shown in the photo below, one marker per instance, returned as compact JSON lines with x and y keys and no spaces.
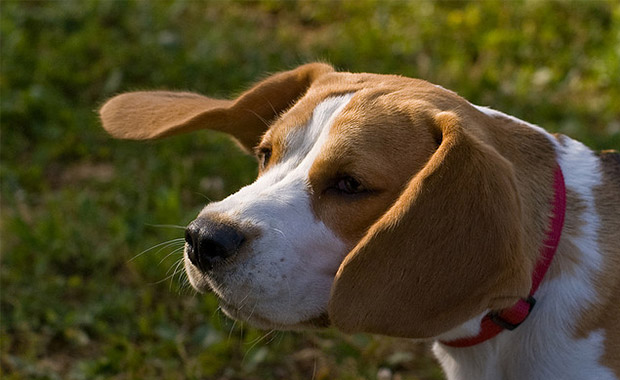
{"x":392,"y":206}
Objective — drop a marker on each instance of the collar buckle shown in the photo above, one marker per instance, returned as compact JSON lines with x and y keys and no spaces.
{"x":502,"y":319}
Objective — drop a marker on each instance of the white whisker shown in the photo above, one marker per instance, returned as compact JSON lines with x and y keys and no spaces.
{"x":161,"y":246}
{"x":177,"y":250}
{"x":167,"y":226}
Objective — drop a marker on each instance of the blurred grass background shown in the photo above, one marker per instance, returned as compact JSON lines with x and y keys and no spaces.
{"x":77,"y":207}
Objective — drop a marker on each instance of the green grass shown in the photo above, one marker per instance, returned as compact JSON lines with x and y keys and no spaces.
{"x":77,"y":207}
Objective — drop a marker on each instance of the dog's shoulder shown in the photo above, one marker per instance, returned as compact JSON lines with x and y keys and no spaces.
{"x":610,"y":164}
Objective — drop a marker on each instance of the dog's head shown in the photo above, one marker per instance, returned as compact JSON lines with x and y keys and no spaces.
{"x":381,"y":204}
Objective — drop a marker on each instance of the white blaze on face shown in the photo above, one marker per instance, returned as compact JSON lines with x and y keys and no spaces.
{"x":285,"y":275}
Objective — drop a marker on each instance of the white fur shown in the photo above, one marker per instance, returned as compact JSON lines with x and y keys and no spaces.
{"x":544,"y":347}
{"x":286,"y":280}
{"x":467,"y":329}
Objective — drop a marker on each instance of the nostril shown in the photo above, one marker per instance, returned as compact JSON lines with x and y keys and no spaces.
{"x":212,"y":250}
{"x":191,"y":250}
{"x":188,"y":237}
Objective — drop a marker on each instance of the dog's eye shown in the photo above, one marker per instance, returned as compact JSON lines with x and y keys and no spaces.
{"x":264,"y":155}
{"x":349,"y":185}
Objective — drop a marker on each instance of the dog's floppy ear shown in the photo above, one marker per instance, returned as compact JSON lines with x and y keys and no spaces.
{"x":447,"y":250}
{"x":153,"y":114}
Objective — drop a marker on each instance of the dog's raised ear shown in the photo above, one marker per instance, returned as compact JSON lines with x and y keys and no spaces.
{"x":447,"y":250}
{"x":153,"y":114}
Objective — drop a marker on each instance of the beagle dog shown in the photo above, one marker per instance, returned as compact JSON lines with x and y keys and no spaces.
{"x":392,"y":206}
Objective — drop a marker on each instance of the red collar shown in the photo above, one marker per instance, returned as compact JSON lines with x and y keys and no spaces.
{"x":509,"y":319}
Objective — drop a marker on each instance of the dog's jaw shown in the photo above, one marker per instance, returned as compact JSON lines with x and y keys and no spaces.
{"x":282,"y":277}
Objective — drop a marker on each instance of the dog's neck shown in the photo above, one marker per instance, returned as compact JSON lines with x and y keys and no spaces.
{"x":495,"y":322}
{"x":532,"y":350}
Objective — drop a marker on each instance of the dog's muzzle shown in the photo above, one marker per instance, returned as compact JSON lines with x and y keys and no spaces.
{"x":211,"y":242}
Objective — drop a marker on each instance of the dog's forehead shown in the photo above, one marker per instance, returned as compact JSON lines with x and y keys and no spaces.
{"x":291,"y":131}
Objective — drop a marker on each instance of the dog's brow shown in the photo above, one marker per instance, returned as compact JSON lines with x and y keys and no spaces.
{"x":303,"y":144}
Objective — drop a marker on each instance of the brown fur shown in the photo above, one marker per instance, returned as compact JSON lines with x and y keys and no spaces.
{"x":606,"y":309}
{"x":356,"y":147}
{"x":455,"y":235}
{"x":534,"y":173}
{"x":154,"y":114}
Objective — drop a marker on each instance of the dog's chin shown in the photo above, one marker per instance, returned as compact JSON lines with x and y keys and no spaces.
{"x":319,"y":322}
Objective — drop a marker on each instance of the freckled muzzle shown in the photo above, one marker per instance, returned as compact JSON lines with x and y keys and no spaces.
{"x":211,"y":242}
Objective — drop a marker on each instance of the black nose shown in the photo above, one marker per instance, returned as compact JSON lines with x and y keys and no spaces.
{"x":210,"y":242}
